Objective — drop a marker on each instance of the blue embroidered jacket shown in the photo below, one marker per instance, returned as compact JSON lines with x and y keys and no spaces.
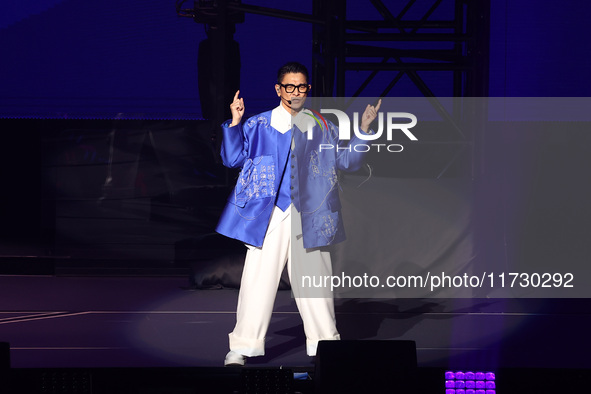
{"x":277,"y":171}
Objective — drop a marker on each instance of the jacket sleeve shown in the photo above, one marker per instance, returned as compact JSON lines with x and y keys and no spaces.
{"x":234,"y":149}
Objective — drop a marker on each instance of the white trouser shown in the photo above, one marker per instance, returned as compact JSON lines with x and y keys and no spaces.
{"x":260,"y":280}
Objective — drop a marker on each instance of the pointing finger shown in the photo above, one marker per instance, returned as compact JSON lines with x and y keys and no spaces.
{"x":378,"y":106}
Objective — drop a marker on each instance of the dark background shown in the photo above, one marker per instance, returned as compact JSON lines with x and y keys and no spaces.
{"x":140,"y":57}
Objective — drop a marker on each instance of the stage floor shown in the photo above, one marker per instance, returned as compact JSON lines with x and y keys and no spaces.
{"x":105,"y":322}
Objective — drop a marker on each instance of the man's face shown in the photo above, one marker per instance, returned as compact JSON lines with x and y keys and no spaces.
{"x":293,"y":91}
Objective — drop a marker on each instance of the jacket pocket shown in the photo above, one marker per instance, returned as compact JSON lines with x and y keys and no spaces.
{"x":256,"y":180}
{"x":326,"y":225}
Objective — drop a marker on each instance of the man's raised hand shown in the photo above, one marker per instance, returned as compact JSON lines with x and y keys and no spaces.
{"x":369,"y":115}
{"x":237,"y":108}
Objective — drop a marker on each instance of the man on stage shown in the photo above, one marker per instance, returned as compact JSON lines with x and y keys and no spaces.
{"x":285,"y":208}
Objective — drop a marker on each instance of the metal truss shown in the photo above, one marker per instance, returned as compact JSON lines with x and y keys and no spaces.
{"x":400,"y":44}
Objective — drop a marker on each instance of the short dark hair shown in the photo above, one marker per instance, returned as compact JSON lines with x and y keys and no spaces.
{"x":291,"y":67}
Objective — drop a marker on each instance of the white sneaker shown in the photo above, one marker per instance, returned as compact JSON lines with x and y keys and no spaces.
{"x":234,"y":359}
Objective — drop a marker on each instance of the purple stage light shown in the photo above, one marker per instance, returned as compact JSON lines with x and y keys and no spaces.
{"x":460,"y":382}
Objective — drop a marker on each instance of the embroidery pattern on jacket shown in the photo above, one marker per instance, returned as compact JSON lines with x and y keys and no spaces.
{"x":326,"y":225}
{"x":256,"y":180}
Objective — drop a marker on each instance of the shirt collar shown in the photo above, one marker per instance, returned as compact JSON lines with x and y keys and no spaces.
{"x":281,"y":119}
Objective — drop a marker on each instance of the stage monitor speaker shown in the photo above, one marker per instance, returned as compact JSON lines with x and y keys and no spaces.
{"x":4,"y":366}
{"x":4,"y":356}
{"x":365,"y":366}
